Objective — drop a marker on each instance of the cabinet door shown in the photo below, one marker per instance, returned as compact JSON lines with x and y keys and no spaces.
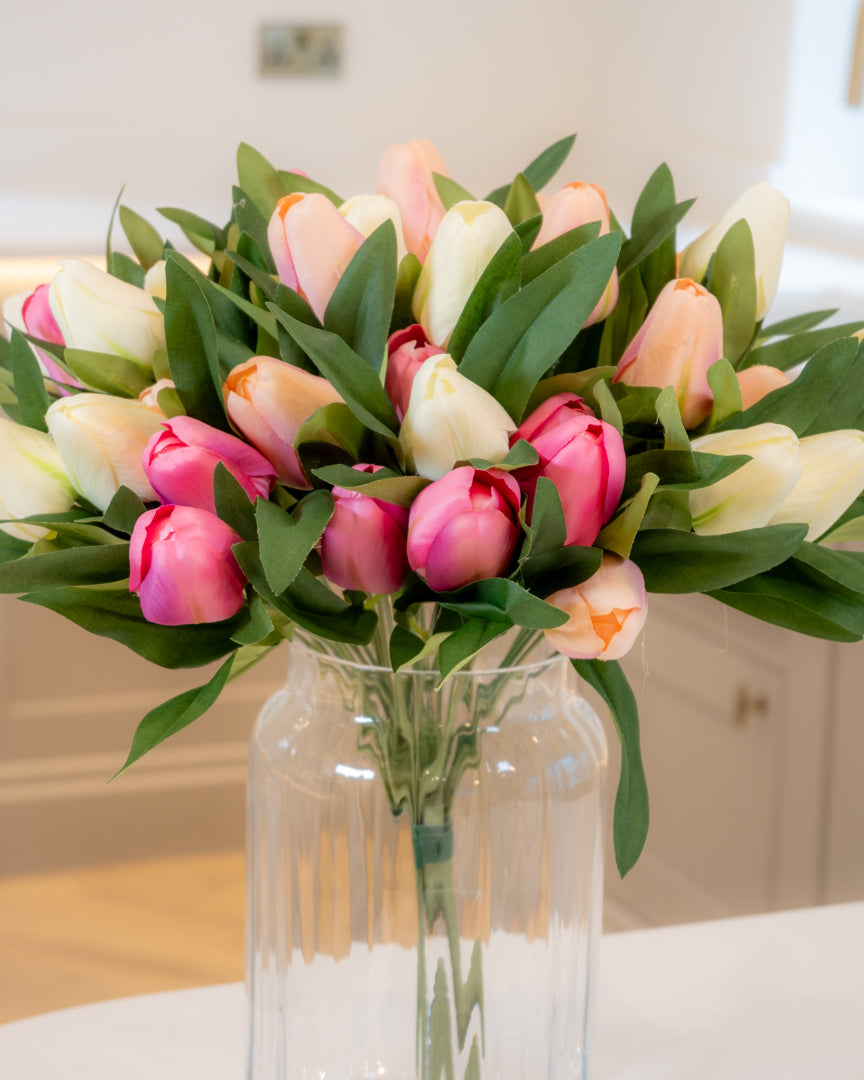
{"x":731,"y":716}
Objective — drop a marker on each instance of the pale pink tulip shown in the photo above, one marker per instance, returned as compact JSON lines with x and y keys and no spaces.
{"x":311,"y":244}
{"x":606,"y":612}
{"x":181,"y":459}
{"x":583,"y":457}
{"x":182,"y":568}
{"x":676,"y":345}
{"x":405,"y":175}
{"x":406,"y":351}
{"x":571,"y":206}
{"x":757,"y":381}
{"x":268,"y":401}
{"x":363,"y":545}
{"x":464,"y":527}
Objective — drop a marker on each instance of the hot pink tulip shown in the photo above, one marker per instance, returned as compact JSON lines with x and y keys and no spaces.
{"x":40,"y":323}
{"x":406,"y":351}
{"x":464,"y":527}
{"x":574,"y":205}
{"x":180,"y":461}
{"x":268,"y":401}
{"x":182,"y":568}
{"x":676,"y":344}
{"x":757,"y":381}
{"x":607,"y":612}
{"x":405,"y":175}
{"x":311,"y":244}
{"x":363,"y":546}
{"x":583,"y":457}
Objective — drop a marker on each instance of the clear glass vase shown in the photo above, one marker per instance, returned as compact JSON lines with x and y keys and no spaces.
{"x":424,"y":874}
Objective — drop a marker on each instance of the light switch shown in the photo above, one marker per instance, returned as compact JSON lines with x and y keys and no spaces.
{"x":301,"y":49}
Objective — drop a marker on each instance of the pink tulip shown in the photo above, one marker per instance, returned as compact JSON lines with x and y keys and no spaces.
{"x":405,"y":175}
{"x":406,"y":351}
{"x":181,"y":459}
{"x":464,"y":527}
{"x":583,"y":457}
{"x":676,"y":344}
{"x":574,"y":205}
{"x":757,"y":381}
{"x":268,"y":401}
{"x":182,"y":568}
{"x":40,"y":323}
{"x":311,"y":244}
{"x":606,"y":612}
{"x":363,"y":546}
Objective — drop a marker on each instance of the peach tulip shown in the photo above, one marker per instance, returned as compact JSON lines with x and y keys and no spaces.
{"x":405,"y":175}
{"x":757,"y":381}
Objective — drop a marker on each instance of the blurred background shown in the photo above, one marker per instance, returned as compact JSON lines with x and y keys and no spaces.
{"x":751,"y":735}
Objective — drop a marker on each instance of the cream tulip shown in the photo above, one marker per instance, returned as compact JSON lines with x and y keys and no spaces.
{"x":833,"y":464}
{"x":100,"y":313}
{"x":467,"y":238}
{"x":749,"y":497}
{"x":32,"y":479}
{"x":766,"y":211}
{"x":101,"y":440}
{"x":450,"y":419}
{"x":367,"y":212}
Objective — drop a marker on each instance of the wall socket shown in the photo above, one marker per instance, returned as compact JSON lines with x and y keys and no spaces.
{"x":300,"y":49}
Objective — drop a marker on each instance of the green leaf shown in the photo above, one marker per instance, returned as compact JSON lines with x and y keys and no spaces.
{"x":259,"y":626}
{"x":361,"y":306}
{"x":387,"y":485}
{"x":630,"y":819}
{"x":358,"y":384}
{"x":561,"y":569}
{"x":733,"y":282}
{"x":540,"y":259}
{"x":542,"y":168}
{"x":125,"y":269}
{"x":520,"y":454}
{"x":609,"y":411}
{"x":501,"y":600}
{"x":521,"y":203}
{"x":619,"y":328}
{"x":499,"y":281}
{"x":672,"y":561}
{"x":449,"y":192}
{"x":669,"y":417}
{"x":797,"y":324}
{"x":523,"y":338}
{"x":253,"y":224}
{"x":294,"y":182}
{"x":87,"y":565}
{"x":576,"y":382}
{"x":528,"y":230}
{"x":267,"y":283}
{"x":287,"y":539}
{"x":203,"y":234}
{"x":11,"y":547}
{"x":33,"y":399}
{"x":680,"y":468}
{"x":458,"y":648}
{"x":651,"y":236}
{"x":261,"y":182}
{"x":145,"y":241}
{"x":548,"y":529}
{"x":232,"y":503}
{"x":620,"y":533}
{"x":657,"y":197}
{"x":123,"y":511}
{"x":406,"y":281}
{"x":727,"y":393}
{"x":794,"y":350}
{"x":108,"y":373}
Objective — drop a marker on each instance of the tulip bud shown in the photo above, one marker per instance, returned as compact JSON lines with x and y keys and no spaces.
{"x":766,"y":211}
{"x":181,"y":459}
{"x":311,"y":244}
{"x":406,"y":351}
{"x":32,"y":479}
{"x":833,"y":464}
{"x":676,"y":344}
{"x":583,"y":457}
{"x":467,"y":238}
{"x":464,"y":527}
{"x":101,"y":313}
{"x":368,"y":212}
{"x":30,"y":313}
{"x":156,"y":281}
{"x":182,"y":568}
{"x":450,"y":419}
{"x":570,"y":207}
{"x":363,"y":544}
{"x":749,"y":497}
{"x":606,"y":612}
{"x":101,"y":440}
{"x":268,"y":401}
{"x":757,"y":381}
{"x":405,"y":175}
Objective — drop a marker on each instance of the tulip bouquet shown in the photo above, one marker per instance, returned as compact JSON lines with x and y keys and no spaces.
{"x":405,"y":424}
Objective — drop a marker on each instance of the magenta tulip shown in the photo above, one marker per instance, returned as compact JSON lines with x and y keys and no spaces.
{"x":40,"y":323}
{"x":464,"y":527}
{"x":363,"y":546}
{"x":583,"y":457}
{"x":182,"y":568}
{"x":406,"y":351}
{"x":181,"y":459}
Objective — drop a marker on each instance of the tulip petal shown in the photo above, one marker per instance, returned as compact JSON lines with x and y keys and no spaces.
{"x":470,"y":547}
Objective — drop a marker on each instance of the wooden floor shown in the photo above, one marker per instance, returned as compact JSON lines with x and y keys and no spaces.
{"x":85,"y":935}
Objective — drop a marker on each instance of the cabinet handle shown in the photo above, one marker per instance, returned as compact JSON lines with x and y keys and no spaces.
{"x":749,"y":704}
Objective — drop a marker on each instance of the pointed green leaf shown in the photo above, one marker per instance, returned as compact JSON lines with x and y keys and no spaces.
{"x":449,"y":192}
{"x":253,"y":224}
{"x":501,"y":600}
{"x":143,"y":238}
{"x":619,"y":534}
{"x":657,"y":196}
{"x":542,"y":169}
{"x":33,"y":399}
{"x":88,"y":565}
{"x":123,"y":511}
{"x":521,"y":201}
{"x":109,"y":373}
{"x":287,"y":539}
{"x":296,"y":182}
{"x":540,"y":259}
{"x":794,"y":350}
{"x":797,"y":324}
{"x":261,"y":182}
{"x":232,"y":503}
{"x":669,"y":417}
{"x":498,"y":282}
{"x":727,"y":393}
{"x":733,"y":282}
{"x":459,"y":648}
{"x":206,"y":236}
{"x":651,"y":236}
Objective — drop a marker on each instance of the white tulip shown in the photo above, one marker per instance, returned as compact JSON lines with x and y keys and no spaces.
{"x":156,"y":281}
{"x":100,"y":313}
{"x":833,"y":464}
{"x":101,"y":440}
{"x":32,"y":479}
{"x":469,"y":235}
{"x":750,"y":496}
{"x":450,"y":419}
{"x":367,"y":212}
{"x":766,"y":211}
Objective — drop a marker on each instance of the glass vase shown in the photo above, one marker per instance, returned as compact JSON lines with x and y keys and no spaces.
{"x":424,"y":873}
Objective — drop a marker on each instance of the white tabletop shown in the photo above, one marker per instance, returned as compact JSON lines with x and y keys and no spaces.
{"x":768,"y":997}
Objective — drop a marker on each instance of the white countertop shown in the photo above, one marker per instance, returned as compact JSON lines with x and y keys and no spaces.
{"x":767,"y":997}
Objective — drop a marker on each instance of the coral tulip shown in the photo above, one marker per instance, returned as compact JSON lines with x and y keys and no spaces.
{"x":757,"y":381}
{"x":32,"y":479}
{"x":405,"y":175}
